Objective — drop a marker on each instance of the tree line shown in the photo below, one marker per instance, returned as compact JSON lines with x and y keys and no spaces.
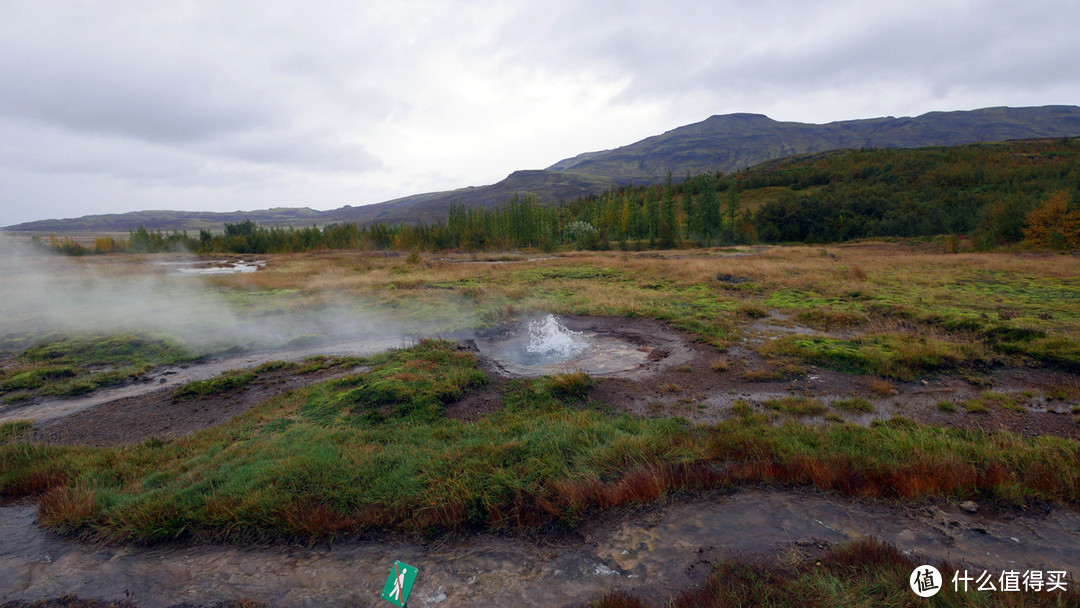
{"x":996,"y":194}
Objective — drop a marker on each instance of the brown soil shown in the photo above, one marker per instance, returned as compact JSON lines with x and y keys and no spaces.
{"x":483,"y":401}
{"x":704,"y":383}
{"x":704,"y":394}
{"x":71,"y":601}
{"x":157,"y":414}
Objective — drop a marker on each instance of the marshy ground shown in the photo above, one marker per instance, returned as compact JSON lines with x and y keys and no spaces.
{"x":898,"y":380}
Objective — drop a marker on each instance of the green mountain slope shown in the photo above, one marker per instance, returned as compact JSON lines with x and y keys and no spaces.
{"x":431,"y":207}
{"x":737,"y":141}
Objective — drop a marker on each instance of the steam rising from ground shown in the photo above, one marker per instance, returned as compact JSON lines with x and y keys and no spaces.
{"x":46,"y":294}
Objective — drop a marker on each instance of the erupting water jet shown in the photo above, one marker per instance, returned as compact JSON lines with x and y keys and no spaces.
{"x":551,"y":341}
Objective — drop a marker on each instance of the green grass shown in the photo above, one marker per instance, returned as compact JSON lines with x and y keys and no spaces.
{"x":12,"y":430}
{"x":84,"y":351}
{"x":222,"y":384}
{"x":890,"y":355}
{"x":374,"y":451}
{"x":826,"y":318}
{"x":991,"y":399}
{"x":75,"y":365}
{"x":796,"y":406}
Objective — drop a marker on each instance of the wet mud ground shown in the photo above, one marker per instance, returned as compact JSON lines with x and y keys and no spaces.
{"x":652,"y":551}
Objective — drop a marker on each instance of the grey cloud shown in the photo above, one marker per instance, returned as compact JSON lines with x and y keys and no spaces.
{"x":88,"y":74}
{"x":114,"y":107}
{"x":304,"y":150}
{"x":725,"y":49}
{"x":208,"y":99}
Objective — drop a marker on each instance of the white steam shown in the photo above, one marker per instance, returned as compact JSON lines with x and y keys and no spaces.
{"x":47,"y":294}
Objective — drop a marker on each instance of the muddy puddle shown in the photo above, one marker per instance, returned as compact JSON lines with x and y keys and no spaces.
{"x":777,"y":325}
{"x":651,"y":553}
{"x":175,"y":376}
{"x":212,"y":267}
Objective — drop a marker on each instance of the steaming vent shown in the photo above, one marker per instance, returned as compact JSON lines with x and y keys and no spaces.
{"x":550,"y":341}
{"x":598,"y":346}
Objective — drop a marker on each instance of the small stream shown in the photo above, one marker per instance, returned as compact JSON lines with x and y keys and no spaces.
{"x":178,"y":375}
{"x":653,"y":553}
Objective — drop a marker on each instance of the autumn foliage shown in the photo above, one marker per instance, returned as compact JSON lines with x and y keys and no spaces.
{"x":1053,"y":224}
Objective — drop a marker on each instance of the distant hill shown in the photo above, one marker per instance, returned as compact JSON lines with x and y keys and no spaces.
{"x":549,"y":185}
{"x":173,"y":220}
{"x":737,"y":141}
{"x":724,"y":143}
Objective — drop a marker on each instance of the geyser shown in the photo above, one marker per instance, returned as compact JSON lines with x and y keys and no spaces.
{"x":599,"y":346}
{"x":550,"y":341}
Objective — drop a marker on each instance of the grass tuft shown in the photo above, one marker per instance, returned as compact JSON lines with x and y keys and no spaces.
{"x":853,"y":404}
{"x":12,"y":430}
{"x":223,"y":384}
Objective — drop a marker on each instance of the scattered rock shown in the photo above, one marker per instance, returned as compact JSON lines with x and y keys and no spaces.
{"x":731,"y":279}
{"x":970,"y":506}
{"x":658,"y":354}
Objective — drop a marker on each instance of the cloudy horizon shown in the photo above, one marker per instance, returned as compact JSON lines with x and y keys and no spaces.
{"x":109,"y":107}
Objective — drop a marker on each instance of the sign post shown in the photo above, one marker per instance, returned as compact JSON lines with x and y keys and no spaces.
{"x":399,"y":584}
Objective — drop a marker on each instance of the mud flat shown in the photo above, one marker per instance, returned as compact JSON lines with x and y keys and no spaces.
{"x":653,"y":553}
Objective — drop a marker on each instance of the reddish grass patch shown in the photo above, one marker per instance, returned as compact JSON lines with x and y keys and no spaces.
{"x":66,"y":508}
{"x":318,"y":520}
{"x":38,"y":482}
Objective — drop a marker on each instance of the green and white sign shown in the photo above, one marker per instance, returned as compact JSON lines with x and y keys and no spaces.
{"x":399,"y":584}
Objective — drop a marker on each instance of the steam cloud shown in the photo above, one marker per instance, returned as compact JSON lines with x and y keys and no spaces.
{"x":44,"y":294}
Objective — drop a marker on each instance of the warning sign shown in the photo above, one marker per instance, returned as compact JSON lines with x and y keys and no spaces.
{"x":399,"y":584}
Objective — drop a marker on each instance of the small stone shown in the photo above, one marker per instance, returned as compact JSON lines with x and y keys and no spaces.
{"x":970,"y":506}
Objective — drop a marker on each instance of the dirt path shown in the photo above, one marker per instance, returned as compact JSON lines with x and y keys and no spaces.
{"x":651,"y":552}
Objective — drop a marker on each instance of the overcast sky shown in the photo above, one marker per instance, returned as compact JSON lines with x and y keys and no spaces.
{"x":117,"y":106}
